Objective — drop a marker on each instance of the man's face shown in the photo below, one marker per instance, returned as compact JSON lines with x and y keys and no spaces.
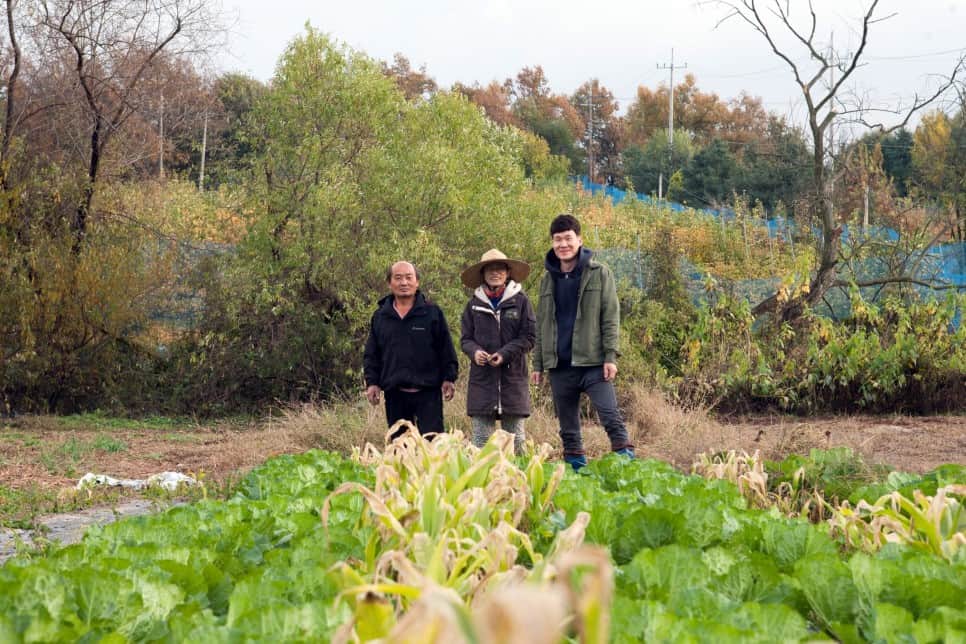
{"x":402,"y":280}
{"x":495,"y":275}
{"x":566,"y":245}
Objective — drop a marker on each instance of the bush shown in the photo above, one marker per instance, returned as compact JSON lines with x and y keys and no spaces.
{"x":904,"y":355}
{"x":75,"y":324}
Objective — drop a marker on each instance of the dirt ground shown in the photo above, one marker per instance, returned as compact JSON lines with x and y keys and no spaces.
{"x":34,"y":454}
{"x":905,"y":443}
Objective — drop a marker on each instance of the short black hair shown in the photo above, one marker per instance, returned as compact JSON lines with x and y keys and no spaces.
{"x":563,"y":223}
{"x":389,"y":270}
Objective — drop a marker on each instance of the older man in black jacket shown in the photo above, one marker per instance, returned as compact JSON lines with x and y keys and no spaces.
{"x":409,"y":354}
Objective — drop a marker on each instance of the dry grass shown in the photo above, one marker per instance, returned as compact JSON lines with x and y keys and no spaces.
{"x":661,"y":429}
{"x":49,"y":453}
{"x":657,"y":427}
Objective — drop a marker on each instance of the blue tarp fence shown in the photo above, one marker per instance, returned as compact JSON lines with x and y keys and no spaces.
{"x":944,"y":263}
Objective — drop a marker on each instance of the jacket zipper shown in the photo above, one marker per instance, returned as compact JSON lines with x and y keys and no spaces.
{"x":499,"y":376}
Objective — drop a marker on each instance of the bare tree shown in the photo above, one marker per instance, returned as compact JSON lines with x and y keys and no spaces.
{"x":794,"y":38}
{"x":113,"y":45}
{"x":11,"y":87}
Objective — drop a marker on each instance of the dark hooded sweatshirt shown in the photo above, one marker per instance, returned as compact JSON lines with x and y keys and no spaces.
{"x":594,"y":334}
{"x":415,"y":351}
{"x":566,"y":292}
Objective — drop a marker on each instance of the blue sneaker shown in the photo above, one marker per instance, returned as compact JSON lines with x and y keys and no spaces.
{"x":576,"y":461}
{"x":626,"y":451}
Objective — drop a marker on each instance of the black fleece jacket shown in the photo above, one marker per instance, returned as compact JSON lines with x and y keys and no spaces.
{"x":415,"y":351}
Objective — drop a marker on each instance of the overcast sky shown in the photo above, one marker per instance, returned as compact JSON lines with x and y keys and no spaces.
{"x":621,"y":42}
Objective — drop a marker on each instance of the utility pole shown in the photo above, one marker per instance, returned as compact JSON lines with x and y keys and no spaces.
{"x":865,"y":210}
{"x":831,"y":83}
{"x":161,"y":137}
{"x":590,"y":133}
{"x":204,"y":150}
{"x":834,"y":60}
{"x":670,"y":113}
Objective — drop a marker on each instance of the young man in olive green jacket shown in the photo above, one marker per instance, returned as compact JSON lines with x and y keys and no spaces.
{"x":578,"y":322}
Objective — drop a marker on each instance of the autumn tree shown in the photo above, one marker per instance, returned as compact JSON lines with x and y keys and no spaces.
{"x":549,"y":115}
{"x":163,"y":138}
{"x":108,"y":48}
{"x":414,"y":83}
{"x":78,"y":276}
{"x":496,"y":100}
{"x":939,"y":162}
{"x":603,"y":140}
{"x":930,"y":150}
{"x":704,"y":115}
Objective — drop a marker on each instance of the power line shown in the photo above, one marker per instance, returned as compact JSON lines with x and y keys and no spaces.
{"x":914,"y":56}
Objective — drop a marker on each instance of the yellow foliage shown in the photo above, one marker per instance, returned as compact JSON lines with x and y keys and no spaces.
{"x":599,"y":212}
{"x":178,"y":210}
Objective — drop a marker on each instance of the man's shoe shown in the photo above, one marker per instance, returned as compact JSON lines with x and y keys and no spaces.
{"x":626,"y":451}
{"x":576,"y":461}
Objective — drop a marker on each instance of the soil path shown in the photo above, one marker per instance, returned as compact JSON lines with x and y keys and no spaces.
{"x":69,"y":527}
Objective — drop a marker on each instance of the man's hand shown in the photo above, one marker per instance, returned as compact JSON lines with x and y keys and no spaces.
{"x":536,"y":377}
{"x":449,"y":389}
{"x":481,"y":357}
{"x":610,"y":371}
{"x":496,"y":359}
{"x":372,"y":394}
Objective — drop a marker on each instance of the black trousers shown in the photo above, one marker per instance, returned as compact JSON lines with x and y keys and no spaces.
{"x":424,"y":408}
{"x":567,"y":383}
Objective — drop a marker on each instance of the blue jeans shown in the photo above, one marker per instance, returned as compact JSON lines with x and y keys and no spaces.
{"x":567,"y":383}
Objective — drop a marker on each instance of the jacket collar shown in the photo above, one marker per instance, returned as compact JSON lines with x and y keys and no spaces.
{"x":512,"y":288}
{"x":386,"y":302}
{"x":552,"y":262}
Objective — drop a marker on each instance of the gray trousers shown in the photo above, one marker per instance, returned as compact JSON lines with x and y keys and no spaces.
{"x":483,"y":427}
{"x":567,"y":383}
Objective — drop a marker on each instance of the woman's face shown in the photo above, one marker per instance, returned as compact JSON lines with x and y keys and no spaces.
{"x":495,"y":275}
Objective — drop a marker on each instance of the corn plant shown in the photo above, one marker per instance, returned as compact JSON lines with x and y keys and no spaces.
{"x":447,"y":531}
{"x":744,"y":470}
{"x":747,"y":472}
{"x":936,"y":524}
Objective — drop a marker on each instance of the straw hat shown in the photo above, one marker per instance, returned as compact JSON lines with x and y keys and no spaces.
{"x":473,"y":276}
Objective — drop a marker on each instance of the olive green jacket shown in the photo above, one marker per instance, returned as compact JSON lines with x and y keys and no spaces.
{"x":596,"y":329}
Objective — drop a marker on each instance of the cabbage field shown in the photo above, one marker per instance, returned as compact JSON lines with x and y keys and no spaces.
{"x":442,"y":542}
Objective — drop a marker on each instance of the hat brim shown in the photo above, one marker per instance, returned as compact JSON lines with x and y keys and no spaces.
{"x":472,"y":277}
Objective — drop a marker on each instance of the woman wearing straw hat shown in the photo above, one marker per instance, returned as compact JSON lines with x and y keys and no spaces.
{"x":498,"y":330}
